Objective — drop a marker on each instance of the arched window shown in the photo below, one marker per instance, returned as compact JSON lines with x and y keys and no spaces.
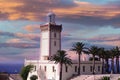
{"x":83,"y":68}
{"x":66,"y":68}
{"x":75,"y":68}
{"x":40,"y":67}
{"x":54,"y":35}
{"x":53,"y":68}
{"x":45,"y":68}
{"x":98,"y":68}
{"x":54,"y":43}
{"x":91,"y":68}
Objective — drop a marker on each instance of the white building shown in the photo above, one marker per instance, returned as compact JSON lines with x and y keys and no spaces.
{"x":50,"y":44}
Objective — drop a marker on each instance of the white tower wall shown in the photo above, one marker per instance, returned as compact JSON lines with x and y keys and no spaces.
{"x":44,"y":43}
{"x":55,"y":42}
{"x":50,"y":40}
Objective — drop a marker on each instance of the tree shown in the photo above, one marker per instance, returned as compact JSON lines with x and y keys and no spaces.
{"x":107,"y":56}
{"x":25,"y":71}
{"x":101,"y":55}
{"x":112,"y":56}
{"x":78,"y":47}
{"x":33,"y":77}
{"x":117,"y":54}
{"x":61,"y":58}
{"x":93,"y":51}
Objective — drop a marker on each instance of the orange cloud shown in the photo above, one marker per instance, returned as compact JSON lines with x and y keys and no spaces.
{"x":14,"y":41}
{"x":32,"y":28}
{"x":36,"y":9}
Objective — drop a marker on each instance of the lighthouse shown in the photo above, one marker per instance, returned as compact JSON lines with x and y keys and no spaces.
{"x":50,"y":41}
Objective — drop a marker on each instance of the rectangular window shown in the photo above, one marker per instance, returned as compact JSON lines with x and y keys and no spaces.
{"x":83,"y":68}
{"x":55,"y":35}
{"x":66,"y":68}
{"x":53,"y":68}
{"x":91,"y":68}
{"x":54,"y":43}
{"x":35,"y":68}
{"x":40,"y":67}
{"x":98,"y":68}
{"x":45,"y":68}
{"x":75,"y":68}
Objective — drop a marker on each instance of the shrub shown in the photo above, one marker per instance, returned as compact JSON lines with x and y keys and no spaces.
{"x":33,"y":77}
{"x":25,"y":71}
{"x":105,"y":78}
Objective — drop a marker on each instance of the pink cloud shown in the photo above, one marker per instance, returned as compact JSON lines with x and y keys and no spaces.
{"x":31,"y":36}
{"x":32,"y":28}
{"x":111,"y":40}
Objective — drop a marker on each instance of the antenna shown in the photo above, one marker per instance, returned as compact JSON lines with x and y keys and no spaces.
{"x":51,"y":15}
{"x":50,"y":3}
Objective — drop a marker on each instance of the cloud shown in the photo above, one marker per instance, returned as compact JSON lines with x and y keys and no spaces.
{"x":20,"y":40}
{"x":20,"y":45}
{"x":106,"y":41}
{"x":32,"y":28}
{"x":80,"y":12}
{"x":29,"y":36}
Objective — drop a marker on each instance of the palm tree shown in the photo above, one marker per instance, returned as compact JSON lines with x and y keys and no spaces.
{"x":78,"y":47}
{"x":112,"y":56}
{"x":94,"y":50}
{"x":61,"y":58}
{"x":101,"y":55}
{"x":117,"y":54}
{"x":107,"y":56}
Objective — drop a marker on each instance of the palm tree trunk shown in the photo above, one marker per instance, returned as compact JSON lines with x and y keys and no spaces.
{"x":117,"y":64}
{"x":102,"y":66}
{"x":93,"y":64}
{"x":79,"y":64}
{"x":112,"y":65}
{"x":60,"y":78}
{"x":107,"y":65}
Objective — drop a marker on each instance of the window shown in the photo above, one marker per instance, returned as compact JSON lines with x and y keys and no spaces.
{"x":66,"y":68}
{"x":54,"y":43}
{"x":40,"y":67}
{"x":91,"y":68}
{"x":55,"y":35}
{"x":98,"y":68}
{"x":75,"y":68}
{"x":35,"y":68}
{"x":45,"y":68}
{"x":53,"y":68}
{"x":83,"y":68}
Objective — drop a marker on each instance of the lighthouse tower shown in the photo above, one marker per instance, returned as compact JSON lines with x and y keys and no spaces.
{"x":50,"y":41}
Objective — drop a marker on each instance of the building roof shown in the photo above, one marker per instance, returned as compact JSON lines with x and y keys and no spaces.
{"x":4,"y":76}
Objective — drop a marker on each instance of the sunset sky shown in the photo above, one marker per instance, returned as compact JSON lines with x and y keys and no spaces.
{"x":94,"y":22}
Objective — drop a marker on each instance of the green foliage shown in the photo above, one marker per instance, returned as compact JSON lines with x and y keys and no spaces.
{"x":118,"y":78}
{"x":105,"y":78}
{"x":61,"y":57}
{"x":79,"y":48}
{"x":25,"y":71}
{"x":33,"y":77}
